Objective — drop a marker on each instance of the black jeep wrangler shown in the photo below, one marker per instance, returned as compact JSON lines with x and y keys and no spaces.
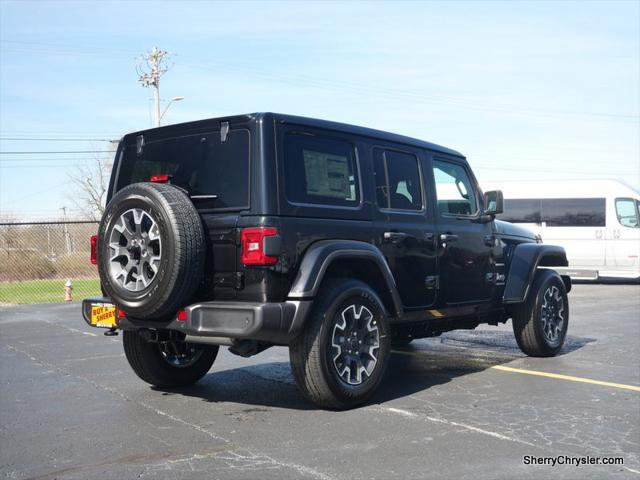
{"x":338,"y":241}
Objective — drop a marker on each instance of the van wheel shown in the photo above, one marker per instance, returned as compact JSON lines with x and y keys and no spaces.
{"x":340,"y":357}
{"x":540,"y":323}
{"x":168,"y":364}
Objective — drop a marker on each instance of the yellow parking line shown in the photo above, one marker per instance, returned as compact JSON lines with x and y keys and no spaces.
{"x":566,"y":377}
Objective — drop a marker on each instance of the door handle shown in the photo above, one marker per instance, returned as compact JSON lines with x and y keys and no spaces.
{"x":448,"y":237}
{"x":395,"y":236}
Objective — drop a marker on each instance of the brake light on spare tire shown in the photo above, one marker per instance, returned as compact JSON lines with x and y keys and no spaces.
{"x":94,"y":249}
{"x":252,"y":241}
{"x":160,"y":178}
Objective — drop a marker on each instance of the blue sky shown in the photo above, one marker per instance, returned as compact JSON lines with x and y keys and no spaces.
{"x":524,"y":89}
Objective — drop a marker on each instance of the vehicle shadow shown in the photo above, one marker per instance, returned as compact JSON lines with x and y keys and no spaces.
{"x":421,"y":365}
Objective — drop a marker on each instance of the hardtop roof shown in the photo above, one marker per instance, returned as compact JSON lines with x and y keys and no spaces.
{"x":306,"y":121}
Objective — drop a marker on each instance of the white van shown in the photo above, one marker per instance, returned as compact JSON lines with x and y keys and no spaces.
{"x":596,"y":221}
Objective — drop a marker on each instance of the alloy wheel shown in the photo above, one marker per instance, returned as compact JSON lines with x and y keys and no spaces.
{"x":135,"y":250}
{"x":552,"y":314}
{"x":355,"y":343}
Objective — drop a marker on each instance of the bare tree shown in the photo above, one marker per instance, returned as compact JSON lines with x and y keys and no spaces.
{"x":91,"y":181}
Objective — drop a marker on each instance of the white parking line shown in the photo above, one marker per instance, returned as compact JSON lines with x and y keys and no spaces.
{"x":70,"y":329}
{"x":406,"y":413}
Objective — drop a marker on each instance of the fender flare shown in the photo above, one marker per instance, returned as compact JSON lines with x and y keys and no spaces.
{"x":320,"y":255}
{"x":526,"y":259}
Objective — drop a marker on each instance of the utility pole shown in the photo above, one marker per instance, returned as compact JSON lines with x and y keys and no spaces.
{"x":65,"y":230}
{"x":152,"y":66}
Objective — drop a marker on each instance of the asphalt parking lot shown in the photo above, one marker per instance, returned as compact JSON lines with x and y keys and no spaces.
{"x":466,"y":405}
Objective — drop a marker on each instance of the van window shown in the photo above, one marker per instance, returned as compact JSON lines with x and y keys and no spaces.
{"x":454,"y":190}
{"x":201,"y":164}
{"x":397,"y":180}
{"x":573,"y":212}
{"x":320,"y":171}
{"x":526,"y":210}
{"x":628,"y":212}
{"x":556,"y":212}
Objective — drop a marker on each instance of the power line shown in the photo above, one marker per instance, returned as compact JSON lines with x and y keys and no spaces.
{"x":361,"y":89}
{"x":57,"y":152}
{"x":33,"y":166}
{"x":540,"y":170}
{"x":58,"y":139}
{"x":57,"y":134}
{"x":62,"y":160}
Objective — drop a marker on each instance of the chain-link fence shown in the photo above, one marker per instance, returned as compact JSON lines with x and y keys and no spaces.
{"x":38,"y":262}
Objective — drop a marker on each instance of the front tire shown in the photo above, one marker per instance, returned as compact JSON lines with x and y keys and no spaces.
{"x":168,"y":364}
{"x":540,"y":323}
{"x":341,"y":355}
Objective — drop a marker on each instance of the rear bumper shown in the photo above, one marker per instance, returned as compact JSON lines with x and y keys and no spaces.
{"x":268,"y":322}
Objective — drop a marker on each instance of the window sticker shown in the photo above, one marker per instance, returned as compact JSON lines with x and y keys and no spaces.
{"x":327,"y":175}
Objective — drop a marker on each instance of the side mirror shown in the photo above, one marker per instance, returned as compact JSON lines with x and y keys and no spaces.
{"x":493,"y":202}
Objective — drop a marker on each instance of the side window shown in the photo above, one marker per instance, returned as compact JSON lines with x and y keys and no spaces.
{"x":320,"y":171}
{"x":628,"y":211}
{"x":574,"y":212}
{"x":397,"y":180}
{"x":522,"y":210}
{"x":454,"y":190}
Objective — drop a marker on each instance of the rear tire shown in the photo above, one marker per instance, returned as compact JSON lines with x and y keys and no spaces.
{"x":540,"y":323}
{"x":340,"y":357}
{"x":160,"y":365}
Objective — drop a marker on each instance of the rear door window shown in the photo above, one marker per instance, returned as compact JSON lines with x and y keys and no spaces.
{"x":397,"y":180}
{"x":201,"y":164}
{"x":320,"y":170}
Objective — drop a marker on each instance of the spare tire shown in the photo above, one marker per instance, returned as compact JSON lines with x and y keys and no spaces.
{"x":151,"y":250}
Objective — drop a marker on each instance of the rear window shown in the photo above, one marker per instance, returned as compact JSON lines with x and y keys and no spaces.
{"x":320,"y":170}
{"x":201,"y":164}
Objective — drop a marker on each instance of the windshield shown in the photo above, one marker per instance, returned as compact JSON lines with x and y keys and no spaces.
{"x":201,"y":164}
{"x":628,"y":212}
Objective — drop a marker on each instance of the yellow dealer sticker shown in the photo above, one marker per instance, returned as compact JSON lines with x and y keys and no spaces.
{"x":103,"y":316}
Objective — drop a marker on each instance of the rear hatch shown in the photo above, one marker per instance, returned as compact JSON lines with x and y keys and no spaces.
{"x":214,"y":169}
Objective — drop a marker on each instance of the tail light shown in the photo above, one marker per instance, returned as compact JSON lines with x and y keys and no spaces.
{"x":254,"y":248}
{"x":94,"y":249}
